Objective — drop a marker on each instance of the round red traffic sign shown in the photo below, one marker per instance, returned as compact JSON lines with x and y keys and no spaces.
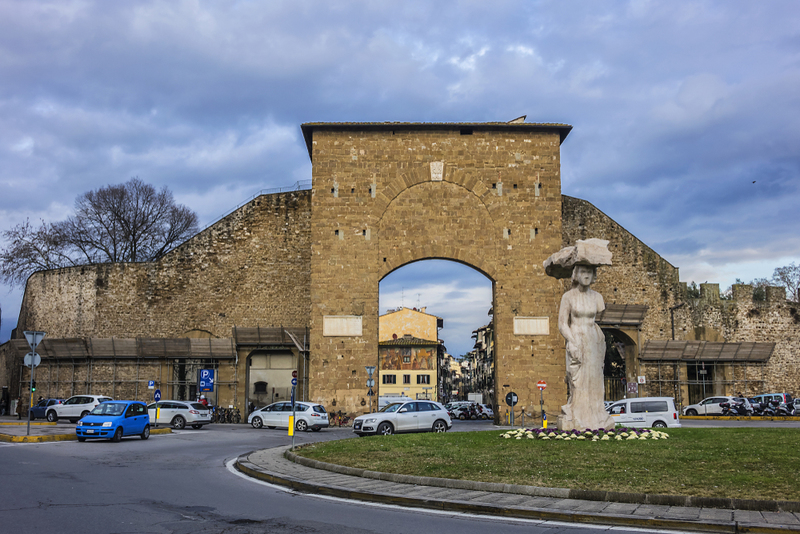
{"x":541,"y":384}
{"x":294,"y":374}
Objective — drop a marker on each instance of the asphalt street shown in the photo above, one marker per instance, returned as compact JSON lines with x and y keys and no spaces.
{"x":182,"y":483}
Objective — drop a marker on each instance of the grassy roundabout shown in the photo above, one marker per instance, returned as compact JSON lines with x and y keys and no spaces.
{"x":744,"y":463}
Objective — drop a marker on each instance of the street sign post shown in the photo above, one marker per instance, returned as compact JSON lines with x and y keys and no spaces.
{"x":33,"y":337}
{"x":541,"y":384}
{"x":206,"y":380}
{"x":511,"y":400}
{"x":370,"y":383}
{"x":156,"y":398}
{"x":151,"y":384}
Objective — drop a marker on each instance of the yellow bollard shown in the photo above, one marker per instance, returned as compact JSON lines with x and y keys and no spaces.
{"x":544,"y":420}
{"x":291,"y":425}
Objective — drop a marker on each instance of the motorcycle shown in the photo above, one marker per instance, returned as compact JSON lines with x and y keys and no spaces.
{"x":785,"y":410}
{"x":734,"y":408}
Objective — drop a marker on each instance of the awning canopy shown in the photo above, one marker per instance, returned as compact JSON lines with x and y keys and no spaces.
{"x":706,"y":351}
{"x":140,"y":347}
{"x":622,"y":315}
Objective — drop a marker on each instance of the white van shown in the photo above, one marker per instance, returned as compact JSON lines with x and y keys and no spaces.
{"x":646,"y":412}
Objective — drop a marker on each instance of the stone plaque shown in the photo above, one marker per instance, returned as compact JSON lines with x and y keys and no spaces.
{"x":531,"y":326}
{"x":341,"y":325}
{"x":437,"y":171}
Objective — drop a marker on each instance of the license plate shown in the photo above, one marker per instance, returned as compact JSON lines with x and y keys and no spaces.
{"x":90,"y":431}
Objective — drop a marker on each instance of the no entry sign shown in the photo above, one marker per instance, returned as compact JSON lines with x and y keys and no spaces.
{"x":541,"y":384}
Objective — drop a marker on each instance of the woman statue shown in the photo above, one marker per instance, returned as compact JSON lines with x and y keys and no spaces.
{"x":586,"y":350}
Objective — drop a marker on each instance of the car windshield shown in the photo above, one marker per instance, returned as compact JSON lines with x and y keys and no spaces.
{"x":109,"y":408}
{"x":391,"y":408}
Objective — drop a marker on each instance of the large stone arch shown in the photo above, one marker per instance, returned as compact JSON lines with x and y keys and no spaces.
{"x":386,"y":195}
{"x":406,"y":235}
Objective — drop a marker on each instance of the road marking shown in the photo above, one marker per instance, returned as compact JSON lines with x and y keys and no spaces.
{"x":230,"y":466}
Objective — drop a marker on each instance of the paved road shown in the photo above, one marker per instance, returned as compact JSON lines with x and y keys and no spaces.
{"x":181,"y":483}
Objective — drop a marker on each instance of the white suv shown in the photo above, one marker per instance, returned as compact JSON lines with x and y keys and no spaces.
{"x":307,"y":416}
{"x":707,"y":406}
{"x":75,"y":407}
{"x":180,"y":413}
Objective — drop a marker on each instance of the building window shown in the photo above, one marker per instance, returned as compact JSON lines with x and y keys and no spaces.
{"x":406,"y":359}
{"x":406,"y":379}
{"x":260,"y":387}
{"x":423,"y":379}
{"x":390,"y":379}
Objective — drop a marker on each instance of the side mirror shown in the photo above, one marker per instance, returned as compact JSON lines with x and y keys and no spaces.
{"x":403,"y":410}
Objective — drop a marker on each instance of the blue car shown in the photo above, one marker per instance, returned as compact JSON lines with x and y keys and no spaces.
{"x":39,"y":410}
{"x":114,"y":420}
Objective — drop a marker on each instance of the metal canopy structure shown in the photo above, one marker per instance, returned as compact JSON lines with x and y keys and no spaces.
{"x":622,"y":315}
{"x":132,"y":348}
{"x":688,"y":351}
{"x":269,"y":336}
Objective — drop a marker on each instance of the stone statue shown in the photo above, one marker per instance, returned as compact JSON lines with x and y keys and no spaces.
{"x":586,"y":347}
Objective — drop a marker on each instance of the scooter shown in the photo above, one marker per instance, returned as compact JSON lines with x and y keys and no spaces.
{"x":733,"y":409}
{"x":785,"y":410}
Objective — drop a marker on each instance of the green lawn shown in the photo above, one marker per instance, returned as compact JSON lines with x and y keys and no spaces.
{"x":744,"y":463}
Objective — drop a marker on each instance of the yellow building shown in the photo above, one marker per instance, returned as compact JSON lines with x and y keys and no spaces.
{"x":408,"y":354}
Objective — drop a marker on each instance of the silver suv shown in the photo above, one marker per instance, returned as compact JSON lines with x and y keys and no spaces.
{"x":180,"y":413}
{"x":707,"y":406}
{"x":75,"y":407}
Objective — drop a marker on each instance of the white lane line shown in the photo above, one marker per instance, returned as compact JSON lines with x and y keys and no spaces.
{"x":456,"y":515}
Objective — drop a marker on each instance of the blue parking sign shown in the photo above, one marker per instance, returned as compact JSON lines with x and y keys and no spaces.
{"x":206,"y":381}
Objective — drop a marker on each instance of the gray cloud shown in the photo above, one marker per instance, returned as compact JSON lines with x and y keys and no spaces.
{"x":678,"y":107}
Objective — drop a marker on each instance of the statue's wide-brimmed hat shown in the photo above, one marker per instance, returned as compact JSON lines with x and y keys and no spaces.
{"x":592,"y":252}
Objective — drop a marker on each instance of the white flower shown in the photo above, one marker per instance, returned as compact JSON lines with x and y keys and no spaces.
{"x":605,"y":438}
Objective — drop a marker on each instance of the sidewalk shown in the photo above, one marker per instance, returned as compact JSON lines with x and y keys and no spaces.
{"x":506,"y":500}
{"x":16,"y":431}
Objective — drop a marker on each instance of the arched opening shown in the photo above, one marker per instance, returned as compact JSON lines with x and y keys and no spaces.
{"x":270,"y":376}
{"x":620,"y":352}
{"x":435,"y":334}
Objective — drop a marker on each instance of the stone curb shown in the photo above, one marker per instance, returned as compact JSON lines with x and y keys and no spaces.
{"x":561,"y":493}
{"x":23,"y":423}
{"x":62,"y":437}
{"x":244,"y":465}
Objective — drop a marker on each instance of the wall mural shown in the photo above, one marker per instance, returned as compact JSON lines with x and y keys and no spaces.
{"x":407,"y":359}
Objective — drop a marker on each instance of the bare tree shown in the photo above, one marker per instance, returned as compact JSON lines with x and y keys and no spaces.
{"x":119,"y":223}
{"x":32,"y":249}
{"x":788,"y":277}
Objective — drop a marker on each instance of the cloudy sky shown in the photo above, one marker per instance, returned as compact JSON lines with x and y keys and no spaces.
{"x":685,"y":114}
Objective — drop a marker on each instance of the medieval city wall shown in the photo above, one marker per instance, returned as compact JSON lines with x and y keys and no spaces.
{"x":638,"y":274}
{"x":251,"y":268}
{"x":742,"y":319}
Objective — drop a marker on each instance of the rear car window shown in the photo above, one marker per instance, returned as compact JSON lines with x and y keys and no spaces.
{"x":319,"y":409}
{"x":199,"y":406}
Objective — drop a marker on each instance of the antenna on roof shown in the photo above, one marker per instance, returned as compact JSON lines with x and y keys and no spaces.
{"x":518,"y":120}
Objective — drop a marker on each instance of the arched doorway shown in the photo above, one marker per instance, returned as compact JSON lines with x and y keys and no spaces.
{"x":436,"y":334}
{"x":620,"y":363}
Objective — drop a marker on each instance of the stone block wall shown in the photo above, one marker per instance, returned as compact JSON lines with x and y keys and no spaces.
{"x":251,"y":268}
{"x":489,"y":198}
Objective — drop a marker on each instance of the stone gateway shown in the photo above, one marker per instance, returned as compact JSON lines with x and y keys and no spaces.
{"x":290,"y":280}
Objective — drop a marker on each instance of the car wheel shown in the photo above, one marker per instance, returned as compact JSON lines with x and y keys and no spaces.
{"x":51,"y":416}
{"x":32,"y":417}
{"x":197,"y":427}
{"x":440,"y":426}
{"x":146,"y":432}
{"x":84,"y":413}
{"x":257,"y":422}
{"x":385,"y":429}
{"x":484,"y":416}
{"x":81,"y":439}
{"x":117,"y":435}
{"x":659,"y":424}
{"x":691,"y":412}
{"x":301,"y":425}
{"x":179,"y":422}
{"x":462,"y":416}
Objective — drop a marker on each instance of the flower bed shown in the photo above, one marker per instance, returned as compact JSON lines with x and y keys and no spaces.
{"x":617,"y":434}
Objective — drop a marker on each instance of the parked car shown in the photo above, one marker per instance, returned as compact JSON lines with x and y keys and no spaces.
{"x":707,"y":406}
{"x":180,"y":413}
{"x":276,"y":415}
{"x":646,"y":412}
{"x":487,"y":410}
{"x":114,"y":420}
{"x":75,"y":407}
{"x":411,"y":416}
{"x":39,"y":411}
